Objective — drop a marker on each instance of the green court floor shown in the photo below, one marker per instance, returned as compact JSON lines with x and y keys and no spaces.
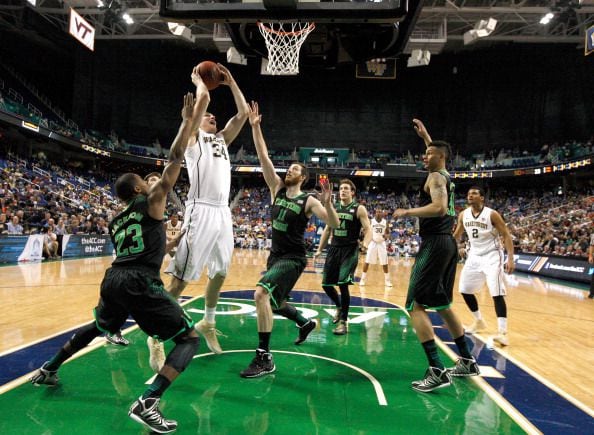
{"x":353,"y":384}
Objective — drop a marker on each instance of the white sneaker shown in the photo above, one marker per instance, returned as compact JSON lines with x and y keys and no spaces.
{"x":477,"y":326}
{"x":388,"y":283}
{"x":362,"y":282}
{"x":501,"y":339}
{"x":209,"y":333}
{"x":156,"y":354}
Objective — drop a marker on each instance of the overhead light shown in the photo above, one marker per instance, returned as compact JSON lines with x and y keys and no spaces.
{"x":181,"y":31}
{"x":127,"y":18}
{"x":419,"y":58}
{"x":100,"y":3}
{"x":482,"y":29}
{"x":234,"y":56}
{"x":546,"y":19}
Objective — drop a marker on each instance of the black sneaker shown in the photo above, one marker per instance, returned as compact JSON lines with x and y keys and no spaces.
{"x":146,"y":412}
{"x":465,"y":367}
{"x":305,"y":330}
{"x":261,"y":365}
{"x":117,"y":339}
{"x":434,"y":378}
{"x":45,"y":377}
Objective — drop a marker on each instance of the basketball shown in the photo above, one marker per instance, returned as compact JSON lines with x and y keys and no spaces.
{"x":210,"y":73}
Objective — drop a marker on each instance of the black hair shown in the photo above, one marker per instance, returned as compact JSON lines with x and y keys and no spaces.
{"x":480,"y":190}
{"x":152,"y":174}
{"x":443,"y":146}
{"x":124,"y":186}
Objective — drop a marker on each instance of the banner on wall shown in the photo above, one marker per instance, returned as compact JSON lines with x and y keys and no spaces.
{"x":33,"y":250}
{"x":555,"y":267}
{"x":89,"y":245}
{"x":11,"y":248}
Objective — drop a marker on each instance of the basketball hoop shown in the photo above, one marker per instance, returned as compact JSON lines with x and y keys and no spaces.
{"x":283,"y":45}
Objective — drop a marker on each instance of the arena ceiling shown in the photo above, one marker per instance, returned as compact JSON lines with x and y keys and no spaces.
{"x":440,"y":26}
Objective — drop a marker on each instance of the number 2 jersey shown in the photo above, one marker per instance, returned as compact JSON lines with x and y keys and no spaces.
{"x":139,"y":240}
{"x":209,"y":170}
{"x":482,"y":235}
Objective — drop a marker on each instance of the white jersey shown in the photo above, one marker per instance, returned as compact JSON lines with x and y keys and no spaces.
{"x":482,"y":235}
{"x":378,"y":229}
{"x":209,"y":169}
{"x":173,"y":230}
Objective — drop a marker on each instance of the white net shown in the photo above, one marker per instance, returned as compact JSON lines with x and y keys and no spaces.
{"x":283,"y":41}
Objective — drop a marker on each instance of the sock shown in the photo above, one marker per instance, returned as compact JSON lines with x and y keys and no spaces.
{"x":502,"y":324}
{"x":345,"y":297}
{"x":209,"y":314}
{"x":462,"y":344}
{"x":157,"y":388}
{"x":387,"y":276}
{"x":332,"y":294}
{"x":264,"y":341}
{"x":291,"y":313}
{"x":79,"y":340}
{"x":477,"y":314}
{"x":432,"y":356}
{"x":364,"y":275}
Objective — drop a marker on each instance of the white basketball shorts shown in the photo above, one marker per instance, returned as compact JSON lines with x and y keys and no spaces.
{"x":479,"y":269}
{"x":375,"y":251}
{"x":208,"y":242}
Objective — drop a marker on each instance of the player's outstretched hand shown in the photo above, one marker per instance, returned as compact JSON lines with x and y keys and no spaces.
{"x":254,"y":113}
{"x":188,"y":106}
{"x":227,"y":77}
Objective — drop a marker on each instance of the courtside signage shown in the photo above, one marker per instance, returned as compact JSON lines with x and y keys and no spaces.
{"x":81,"y":30}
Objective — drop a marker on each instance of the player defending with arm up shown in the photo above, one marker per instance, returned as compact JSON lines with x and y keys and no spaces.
{"x":132,"y":286}
{"x":291,"y":210}
{"x":432,"y":276}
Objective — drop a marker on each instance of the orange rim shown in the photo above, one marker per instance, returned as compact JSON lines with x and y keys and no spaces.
{"x":283,"y":33}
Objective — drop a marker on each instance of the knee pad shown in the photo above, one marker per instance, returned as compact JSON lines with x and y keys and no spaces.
{"x":183,"y":352}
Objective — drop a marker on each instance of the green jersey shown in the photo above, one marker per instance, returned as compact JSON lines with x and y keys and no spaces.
{"x":288,"y":224}
{"x":347,"y":233}
{"x":138,"y":238}
{"x":442,"y":224}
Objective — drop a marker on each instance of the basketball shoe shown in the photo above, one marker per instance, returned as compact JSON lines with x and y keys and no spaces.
{"x":146,"y":412}
{"x":208,"y":331}
{"x":117,"y":339}
{"x":261,"y":365}
{"x":465,"y":367}
{"x":501,"y":339}
{"x":305,"y":330}
{"x":341,"y":328}
{"x":336,"y":317}
{"x":156,"y":354}
{"x":434,"y":378}
{"x":476,"y":326}
{"x":45,"y":377}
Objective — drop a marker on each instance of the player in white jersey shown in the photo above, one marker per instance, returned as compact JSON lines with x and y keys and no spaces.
{"x":376,"y":250}
{"x":208,"y":238}
{"x":173,"y":229}
{"x":485,"y":263}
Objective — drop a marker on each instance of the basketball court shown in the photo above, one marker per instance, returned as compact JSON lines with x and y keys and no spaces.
{"x":358,"y":383}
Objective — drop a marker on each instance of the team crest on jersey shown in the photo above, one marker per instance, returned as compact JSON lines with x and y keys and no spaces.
{"x":300,"y":202}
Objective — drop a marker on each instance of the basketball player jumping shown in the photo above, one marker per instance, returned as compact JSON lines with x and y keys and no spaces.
{"x":291,"y":210}
{"x":343,"y":253}
{"x":484,"y":227}
{"x":376,"y":250}
{"x":208,"y":240}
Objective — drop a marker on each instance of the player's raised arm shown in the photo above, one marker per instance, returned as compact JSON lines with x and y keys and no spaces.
{"x":274,"y":182}
{"x":323,"y":207}
{"x":235,"y":124}
{"x":159,"y":190}
{"x":422,"y":131}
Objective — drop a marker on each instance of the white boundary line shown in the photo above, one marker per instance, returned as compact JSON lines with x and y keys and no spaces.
{"x":544,"y":381}
{"x":379,"y":392}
